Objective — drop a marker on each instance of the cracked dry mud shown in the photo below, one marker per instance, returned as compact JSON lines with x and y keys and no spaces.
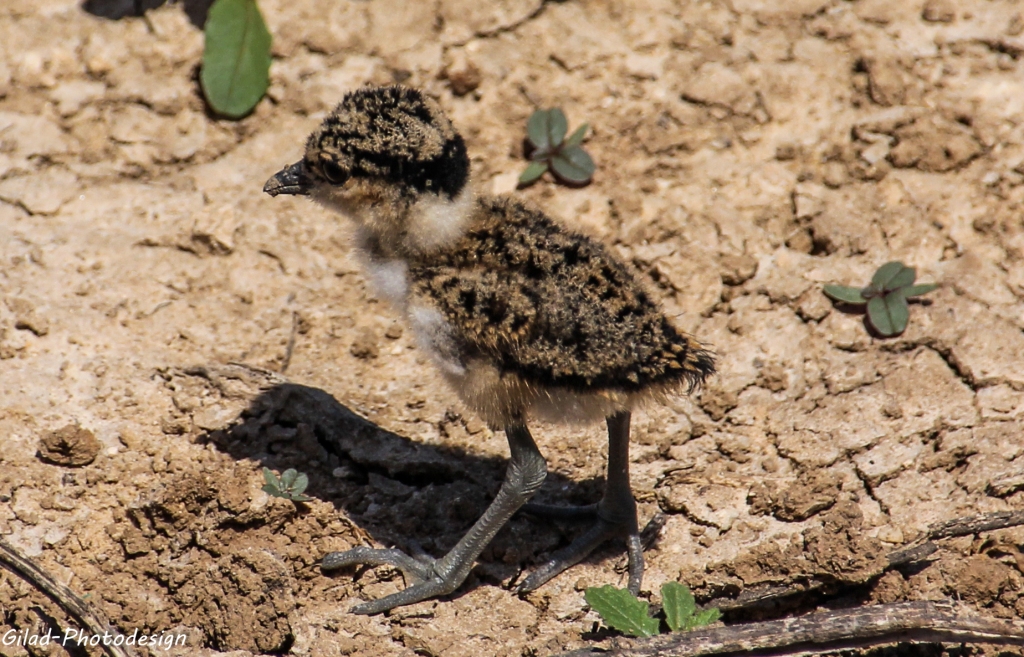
{"x":748,"y":152}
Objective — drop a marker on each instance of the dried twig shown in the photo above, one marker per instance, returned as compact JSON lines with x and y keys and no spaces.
{"x":863,"y":627}
{"x":65,"y":598}
{"x":975,"y":524}
{"x":910,"y":554}
{"x":916,"y":550}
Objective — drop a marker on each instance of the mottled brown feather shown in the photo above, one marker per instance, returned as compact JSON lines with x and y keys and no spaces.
{"x":554,"y":306}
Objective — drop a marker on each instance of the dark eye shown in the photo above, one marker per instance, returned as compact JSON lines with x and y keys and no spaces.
{"x":334,"y":174}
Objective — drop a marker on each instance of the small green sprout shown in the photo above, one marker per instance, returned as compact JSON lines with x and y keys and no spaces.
{"x":236,"y":57}
{"x":566,"y":159}
{"x":622,"y":611}
{"x":680,"y":608}
{"x":290,"y":486}
{"x":886,"y":297}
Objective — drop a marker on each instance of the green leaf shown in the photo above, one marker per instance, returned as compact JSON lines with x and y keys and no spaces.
{"x":918,"y":290}
{"x":681,"y":609}
{"x":899,"y":312}
{"x":678,"y":604}
{"x":879,"y":316}
{"x":889,"y":314}
{"x":288,"y":478}
{"x":532,"y":172}
{"x":269,"y":477}
{"x":621,"y":610}
{"x":537,"y":130}
{"x":702,"y":618}
{"x":546,"y":128}
{"x":301,"y":483}
{"x":541,"y":155}
{"x":573,"y":165}
{"x":893,"y":275}
{"x":272,"y":490}
{"x":885,"y":272}
{"x":236,"y":59}
{"x":903,"y":279}
{"x":576,"y":138}
{"x":558,"y":125}
{"x":844,"y":294}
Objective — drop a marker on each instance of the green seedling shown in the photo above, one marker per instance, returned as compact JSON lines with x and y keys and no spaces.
{"x":622,"y":611}
{"x":885,"y":297}
{"x":236,"y":57}
{"x":681,"y":611}
{"x":551,"y":150}
{"x":290,"y":486}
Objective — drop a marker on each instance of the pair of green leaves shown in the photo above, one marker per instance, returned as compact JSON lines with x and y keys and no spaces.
{"x":886,"y":297}
{"x":290,"y":485}
{"x":546,"y":130}
{"x":621,"y":610}
{"x":236,"y":58}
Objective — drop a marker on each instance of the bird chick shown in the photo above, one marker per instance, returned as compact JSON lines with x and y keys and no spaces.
{"x":525,"y":318}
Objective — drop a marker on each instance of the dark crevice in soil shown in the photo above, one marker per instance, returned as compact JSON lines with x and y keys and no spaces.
{"x":946,"y":354}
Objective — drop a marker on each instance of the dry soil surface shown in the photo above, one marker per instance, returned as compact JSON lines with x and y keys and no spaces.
{"x":748,"y":152}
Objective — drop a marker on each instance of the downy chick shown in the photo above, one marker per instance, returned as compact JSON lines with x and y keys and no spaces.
{"x":525,"y":318}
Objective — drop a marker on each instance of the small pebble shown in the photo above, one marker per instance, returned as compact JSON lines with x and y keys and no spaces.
{"x":70,"y":445}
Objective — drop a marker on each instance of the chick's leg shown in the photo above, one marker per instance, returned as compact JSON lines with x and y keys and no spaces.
{"x":614,"y":516}
{"x":433,"y":577}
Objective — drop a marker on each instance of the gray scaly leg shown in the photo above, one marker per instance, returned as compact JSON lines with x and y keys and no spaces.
{"x":614,"y":516}
{"x":433,"y":577}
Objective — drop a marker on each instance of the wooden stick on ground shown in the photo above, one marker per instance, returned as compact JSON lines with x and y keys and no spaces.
{"x":64,"y":597}
{"x":975,"y":524}
{"x":965,"y":526}
{"x":918,"y":549}
{"x":862,"y":627}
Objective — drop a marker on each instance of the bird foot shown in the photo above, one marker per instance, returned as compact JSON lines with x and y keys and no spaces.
{"x":420,"y":570}
{"x":601,"y":531}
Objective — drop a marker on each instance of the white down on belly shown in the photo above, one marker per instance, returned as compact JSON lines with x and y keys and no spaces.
{"x":389,"y":279}
{"x":435,"y":336}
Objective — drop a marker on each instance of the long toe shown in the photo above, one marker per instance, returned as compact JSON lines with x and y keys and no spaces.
{"x":417,"y":570}
{"x":599,"y":532}
{"x":415,"y":593}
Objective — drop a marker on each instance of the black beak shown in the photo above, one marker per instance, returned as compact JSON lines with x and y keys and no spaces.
{"x":290,"y":180}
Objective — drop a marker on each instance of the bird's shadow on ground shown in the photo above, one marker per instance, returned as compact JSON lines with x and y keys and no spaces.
{"x":196,"y":10}
{"x":401,"y":492}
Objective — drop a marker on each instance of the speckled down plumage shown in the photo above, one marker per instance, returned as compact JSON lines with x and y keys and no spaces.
{"x":523,"y":316}
{"x":553,"y":306}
